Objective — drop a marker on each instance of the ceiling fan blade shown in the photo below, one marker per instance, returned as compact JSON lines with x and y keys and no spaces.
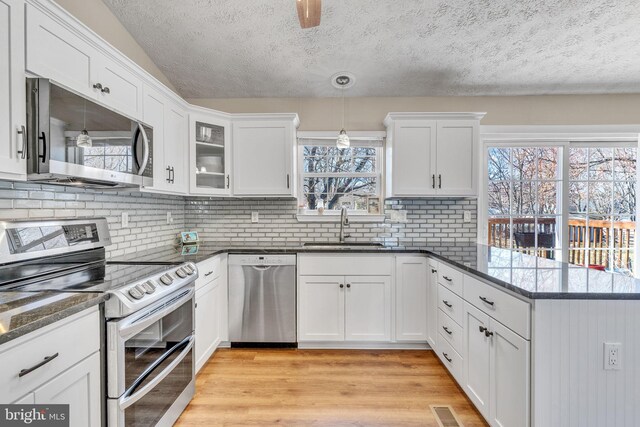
{"x":309,"y":12}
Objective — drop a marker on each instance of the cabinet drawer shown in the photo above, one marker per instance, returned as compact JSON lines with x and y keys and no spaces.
{"x":208,"y":270}
{"x":345,"y":265}
{"x":450,"y":358}
{"x":450,"y":278}
{"x":450,"y":331}
{"x":72,"y":339}
{"x":451,"y":304}
{"x":506,"y":309}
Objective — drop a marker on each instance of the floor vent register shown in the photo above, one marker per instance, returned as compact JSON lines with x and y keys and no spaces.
{"x":445,"y":416}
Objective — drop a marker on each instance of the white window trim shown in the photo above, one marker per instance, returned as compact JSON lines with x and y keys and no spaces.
{"x":334,"y":216}
{"x":515,"y":136}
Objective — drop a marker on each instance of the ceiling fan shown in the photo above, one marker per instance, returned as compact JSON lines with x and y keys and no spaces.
{"x":309,"y":12}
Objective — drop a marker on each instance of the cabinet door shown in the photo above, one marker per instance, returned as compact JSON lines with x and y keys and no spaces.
{"x":210,"y":155}
{"x":176,"y":147}
{"x":509,"y":389}
{"x":476,"y":357}
{"x":411,"y":298}
{"x":55,"y":52}
{"x":413,"y":158}
{"x":154,"y":116}
{"x":79,"y":387}
{"x":121,"y":88}
{"x":12,"y":84}
{"x":207,"y":323}
{"x":456,"y":157}
{"x":368,"y":308}
{"x":321,"y":308}
{"x":432,"y":304}
{"x":263,"y":158}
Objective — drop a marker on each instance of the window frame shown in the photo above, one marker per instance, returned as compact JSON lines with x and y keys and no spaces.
{"x":329,"y":139}
{"x":558,"y":136}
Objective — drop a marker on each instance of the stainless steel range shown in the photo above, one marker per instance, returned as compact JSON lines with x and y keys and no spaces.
{"x":149,"y":315}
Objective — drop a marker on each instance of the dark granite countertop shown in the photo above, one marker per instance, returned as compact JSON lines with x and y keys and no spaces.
{"x":529,"y":276}
{"x":24,"y":312}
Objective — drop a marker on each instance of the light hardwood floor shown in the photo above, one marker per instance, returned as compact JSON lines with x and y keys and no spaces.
{"x":246,"y":387}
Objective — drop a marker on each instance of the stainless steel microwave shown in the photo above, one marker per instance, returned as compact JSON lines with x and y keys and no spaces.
{"x":73,"y":140}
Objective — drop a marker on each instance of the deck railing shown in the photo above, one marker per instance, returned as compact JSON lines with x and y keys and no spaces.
{"x":597,"y":238}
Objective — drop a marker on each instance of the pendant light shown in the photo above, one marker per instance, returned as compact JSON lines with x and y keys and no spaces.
{"x":83,"y":139}
{"x":343,"y":81}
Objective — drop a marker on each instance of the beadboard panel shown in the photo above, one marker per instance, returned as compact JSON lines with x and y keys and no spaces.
{"x":429,"y":221}
{"x":570,"y":386}
{"x":148,"y":226}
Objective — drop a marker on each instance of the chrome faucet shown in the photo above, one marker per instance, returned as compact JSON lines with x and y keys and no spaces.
{"x":344,"y":220}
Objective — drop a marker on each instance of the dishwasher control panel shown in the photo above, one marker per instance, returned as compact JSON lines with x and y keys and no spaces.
{"x":252,"y":259}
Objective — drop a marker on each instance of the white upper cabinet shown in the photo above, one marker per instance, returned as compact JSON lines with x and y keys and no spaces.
{"x":56,"y":51}
{"x":170,"y":146}
{"x":264,"y":155}
{"x":432,"y":154}
{"x":12,"y":87}
{"x":209,"y":153}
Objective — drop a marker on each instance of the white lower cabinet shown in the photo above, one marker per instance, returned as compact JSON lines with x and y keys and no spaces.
{"x":72,"y":374}
{"x":211,"y":308}
{"x":412,"y":297}
{"x":432,"y":303}
{"x":79,"y":386}
{"x":496,"y":370}
{"x":345,"y":308}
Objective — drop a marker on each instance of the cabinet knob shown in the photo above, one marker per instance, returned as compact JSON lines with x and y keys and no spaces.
{"x":105,"y":90}
{"x":348,"y":285}
{"x":341,"y":286}
{"x":433,"y":270}
{"x":98,"y":86}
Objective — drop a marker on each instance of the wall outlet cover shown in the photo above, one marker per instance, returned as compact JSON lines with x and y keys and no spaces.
{"x":398,"y":215}
{"x":612,"y":356}
{"x":467,"y":216}
{"x":125,"y":219}
{"x":255,"y":217}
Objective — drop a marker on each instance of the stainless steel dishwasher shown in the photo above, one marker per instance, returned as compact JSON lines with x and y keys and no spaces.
{"x":262,"y":300}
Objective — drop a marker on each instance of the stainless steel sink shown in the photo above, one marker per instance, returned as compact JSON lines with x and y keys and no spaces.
{"x":342,"y":246}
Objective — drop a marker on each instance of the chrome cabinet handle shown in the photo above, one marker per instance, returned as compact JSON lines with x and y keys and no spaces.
{"x":448,"y":279}
{"x":447,"y":303}
{"x":483,"y":299}
{"x":34,"y":367}
{"x":227,"y":181}
{"x":173,"y":175}
{"x":447,"y":330}
{"x":446,"y":356}
{"x":22,"y":131}
{"x":168,"y":169}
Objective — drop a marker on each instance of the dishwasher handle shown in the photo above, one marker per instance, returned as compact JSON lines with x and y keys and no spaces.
{"x":261,"y":267}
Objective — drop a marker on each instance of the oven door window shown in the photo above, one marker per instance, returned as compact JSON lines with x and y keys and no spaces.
{"x":151,"y":407}
{"x":146,"y":347}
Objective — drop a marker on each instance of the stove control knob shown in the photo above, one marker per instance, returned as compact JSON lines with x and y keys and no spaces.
{"x":136,"y":293}
{"x":166,"y":279}
{"x":189,"y":270}
{"x":148,"y":287}
{"x":181,"y":273}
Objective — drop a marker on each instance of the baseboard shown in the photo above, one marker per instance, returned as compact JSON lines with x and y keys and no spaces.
{"x":354,"y":345}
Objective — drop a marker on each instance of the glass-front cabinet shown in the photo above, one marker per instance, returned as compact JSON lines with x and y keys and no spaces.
{"x":210,"y":152}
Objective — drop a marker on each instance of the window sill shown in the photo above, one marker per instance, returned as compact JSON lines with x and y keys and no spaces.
{"x":336,"y":218}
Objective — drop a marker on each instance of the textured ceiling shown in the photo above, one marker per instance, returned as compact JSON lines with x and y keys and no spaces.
{"x":255,"y":48}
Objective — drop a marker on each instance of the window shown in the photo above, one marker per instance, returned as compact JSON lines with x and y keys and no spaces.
{"x":333,"y":177}
{"x":530,"y":185}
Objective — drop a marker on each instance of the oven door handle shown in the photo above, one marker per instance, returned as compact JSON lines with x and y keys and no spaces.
{"x":129,"y":397}
{"x":132,"y":326}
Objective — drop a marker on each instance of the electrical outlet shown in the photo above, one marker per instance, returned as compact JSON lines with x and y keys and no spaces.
{"x":169,"y":218}
{"x":612,"y":356}
{"x":467,"y":216}
{"x":255,"y":217}
{"x":125,"y":219}
{"x":398,"y":215}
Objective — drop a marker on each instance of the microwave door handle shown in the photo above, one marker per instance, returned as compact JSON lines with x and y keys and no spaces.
{"x":43,"y":138}
{"x":145,"y":140}
{"x":131,"y":327}
{"x":129,"y":397}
